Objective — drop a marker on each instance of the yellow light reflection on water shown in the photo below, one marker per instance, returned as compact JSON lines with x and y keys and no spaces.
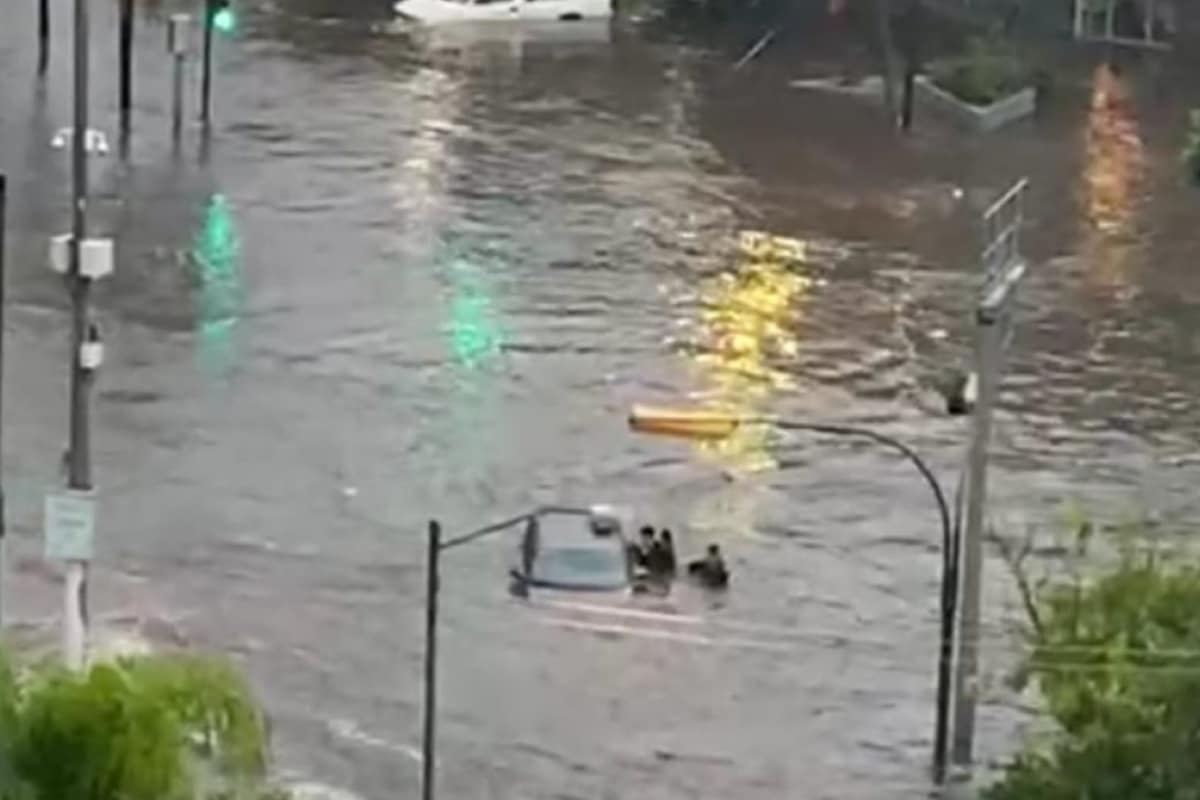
{"x":745,"y":331}
{"x":1114,"y":167}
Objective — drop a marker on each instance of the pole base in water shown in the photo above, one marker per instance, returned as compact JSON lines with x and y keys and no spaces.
{"x":74,"y":616}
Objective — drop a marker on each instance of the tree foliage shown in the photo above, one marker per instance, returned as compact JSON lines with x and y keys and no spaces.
{"x":1117,"y":661}
{"x":161,"y":727}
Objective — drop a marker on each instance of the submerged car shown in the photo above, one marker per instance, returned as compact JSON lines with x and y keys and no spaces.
{"x":573,"y":553}
{"x":442,"y":11}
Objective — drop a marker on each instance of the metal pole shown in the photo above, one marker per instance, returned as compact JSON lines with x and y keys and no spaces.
{"x":912,"y":30}
{"x":3,"y":301}
{"x":43,"y":35}
{"x":79,"y":462}
{"x":177,"y":98}
{"x":950,"y":554}
{"x":945,"y":669}
{"x":126,"y":90}
{"x":990,"y":344}
{"x":206,"y":77}
{"x":177,"y":47}
{"x":429,"y":734}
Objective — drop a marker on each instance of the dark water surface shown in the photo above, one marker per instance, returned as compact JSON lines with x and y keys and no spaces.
{"x":421,"y":277}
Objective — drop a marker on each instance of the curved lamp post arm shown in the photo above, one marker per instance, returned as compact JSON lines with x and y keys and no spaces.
{"x":713,"y":425}
{"x":949,"y":589}
{"x":503,"y":525}
{"x":866,"y":433}
{"x":486,"y":531}
{"x":433,"y":579}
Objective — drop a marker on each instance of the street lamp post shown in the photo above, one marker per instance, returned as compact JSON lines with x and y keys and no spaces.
{"x":3,"y":320}
{"x":125,"y":91}
{"x":177,"y":47}
{"x":713,"y":425}
{"x":210,"y":10}
{"x":69,"y":517}
{"x":1004,"y":268}
{"x":79,"y":463}
{"x":429,"y":730}
{"x":43,"y":36}
{"x":217,"y":15}
{"x":598,"y":516}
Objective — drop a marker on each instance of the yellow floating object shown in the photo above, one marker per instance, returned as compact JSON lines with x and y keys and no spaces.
{"x":684,"y":424}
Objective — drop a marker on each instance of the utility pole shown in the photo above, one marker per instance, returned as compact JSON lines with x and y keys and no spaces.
{"x":177,"y":48}
{"x":43,"y":36}
{"x":1003,"y":270}
{"x":210,"y":10}
{"x":79,"y":466}
{"x":3,"y":301}
{"x":429,"y":733}
{"x":887,"y":47}
{"x":912,"y":30}
{"x":126,"y":89}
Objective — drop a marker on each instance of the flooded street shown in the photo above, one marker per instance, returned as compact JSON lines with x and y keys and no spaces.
{"x":413,"y":278}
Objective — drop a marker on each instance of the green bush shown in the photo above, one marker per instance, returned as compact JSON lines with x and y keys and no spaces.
{"x":162,"y":727}
{"x":1117,"y":661}
{"x":987,"y":72}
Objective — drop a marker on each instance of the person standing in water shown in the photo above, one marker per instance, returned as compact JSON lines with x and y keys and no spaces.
{"x":710,"y":571}
{"x":661,"y":560}
{"x":639,"y":551}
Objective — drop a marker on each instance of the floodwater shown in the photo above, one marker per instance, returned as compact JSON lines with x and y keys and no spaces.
{"x":415,"y":277}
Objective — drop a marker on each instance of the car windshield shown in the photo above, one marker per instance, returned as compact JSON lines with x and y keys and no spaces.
{"x":580,"y":567}
{"x":570,"y":556}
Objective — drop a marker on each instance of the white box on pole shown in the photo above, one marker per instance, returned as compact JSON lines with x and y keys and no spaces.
{"x":95,"y":256}
{"x":177,"y":34}
{"x":91,"y":355}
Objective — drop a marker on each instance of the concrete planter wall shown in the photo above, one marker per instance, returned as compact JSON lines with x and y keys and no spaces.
{"x":976,"y":118}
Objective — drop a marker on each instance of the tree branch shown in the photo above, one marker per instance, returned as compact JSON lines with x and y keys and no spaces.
{"x":1015,"y":559}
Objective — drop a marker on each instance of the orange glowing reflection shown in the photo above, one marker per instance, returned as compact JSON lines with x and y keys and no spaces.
{"x":1113,"y":171}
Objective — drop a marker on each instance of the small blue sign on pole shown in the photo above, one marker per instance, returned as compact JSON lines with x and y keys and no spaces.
{"x":70,"y":526}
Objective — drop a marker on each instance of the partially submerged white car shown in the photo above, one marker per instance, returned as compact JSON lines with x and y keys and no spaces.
{"x":439,"y":11}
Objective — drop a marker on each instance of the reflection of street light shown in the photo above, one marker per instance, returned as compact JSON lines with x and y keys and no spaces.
{"x":603,"y":522}
{"x":1114,"y":167}
{"x":745,"y":325}
{"x":217,"y":252}
{"x":474,"y":336}
{"x":713,"y":425}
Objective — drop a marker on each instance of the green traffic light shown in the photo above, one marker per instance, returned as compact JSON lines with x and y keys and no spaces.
{"x":224,"y":20}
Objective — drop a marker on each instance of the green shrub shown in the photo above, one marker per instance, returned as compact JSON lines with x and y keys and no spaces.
{"x":987,"y":72}
{"x":161,"y":727}
{"x":1117,"y":661}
